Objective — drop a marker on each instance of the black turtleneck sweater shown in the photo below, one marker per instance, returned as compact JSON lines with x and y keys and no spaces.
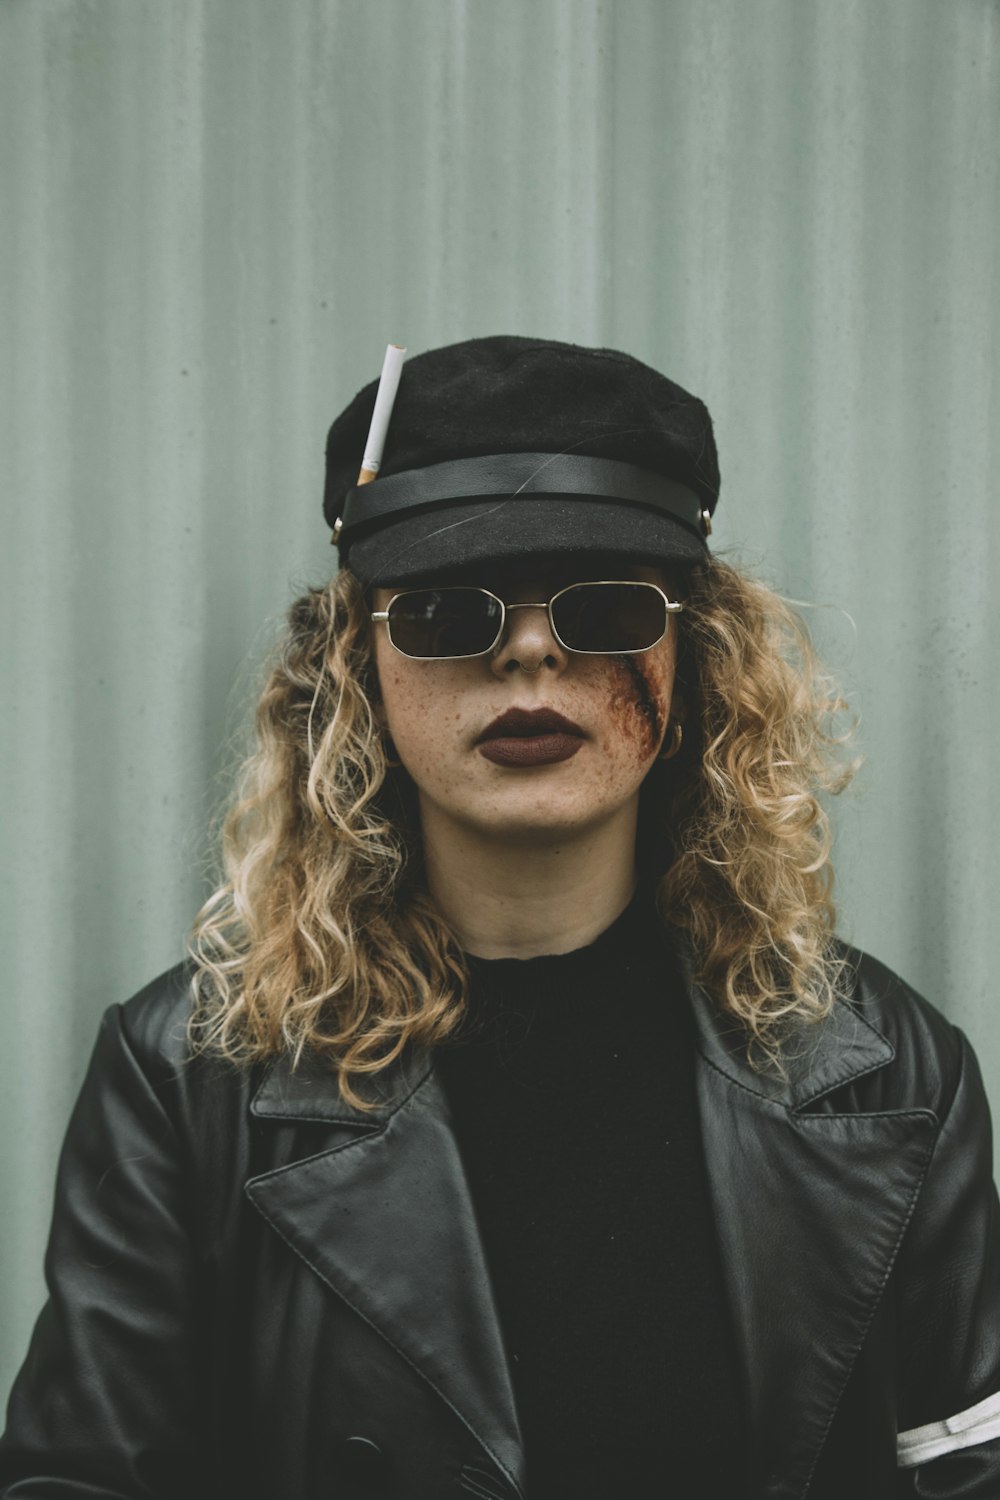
{"x":572,"y":1089}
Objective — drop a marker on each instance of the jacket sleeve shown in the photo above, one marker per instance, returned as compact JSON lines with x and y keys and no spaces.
{"x":105,"y":1402}
{"x":949,"y":1356}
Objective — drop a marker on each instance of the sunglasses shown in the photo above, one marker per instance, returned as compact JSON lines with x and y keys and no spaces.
{"x":592,"y":619}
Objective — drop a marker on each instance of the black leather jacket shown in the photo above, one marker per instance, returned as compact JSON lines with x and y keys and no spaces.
{"x":257,"y":1291}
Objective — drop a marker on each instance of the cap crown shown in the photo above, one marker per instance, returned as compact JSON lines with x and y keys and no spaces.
{"x":507,"y":394}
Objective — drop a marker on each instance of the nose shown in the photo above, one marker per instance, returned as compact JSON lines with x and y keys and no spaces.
{"x":527,"y":643}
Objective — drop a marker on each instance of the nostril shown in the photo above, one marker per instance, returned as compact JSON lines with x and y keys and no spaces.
{"x":527,"y":646}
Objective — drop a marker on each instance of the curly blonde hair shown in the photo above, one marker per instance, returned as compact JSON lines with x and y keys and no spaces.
{"x":322,"y":933}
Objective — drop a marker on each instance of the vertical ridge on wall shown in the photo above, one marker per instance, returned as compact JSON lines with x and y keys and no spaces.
{"x":962,"y":726}
{"x":34,"y":669}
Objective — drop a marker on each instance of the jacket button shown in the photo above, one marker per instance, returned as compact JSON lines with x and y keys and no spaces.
{"x":362,"y":1464}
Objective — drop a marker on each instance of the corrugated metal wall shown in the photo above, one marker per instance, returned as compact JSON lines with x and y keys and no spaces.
{"x":217,"y":212}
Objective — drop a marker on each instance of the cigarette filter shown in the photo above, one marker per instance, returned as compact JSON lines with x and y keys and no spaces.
{"x":384,"y":397}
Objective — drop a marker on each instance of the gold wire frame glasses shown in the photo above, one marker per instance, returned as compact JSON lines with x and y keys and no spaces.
{"x":453,"y":623}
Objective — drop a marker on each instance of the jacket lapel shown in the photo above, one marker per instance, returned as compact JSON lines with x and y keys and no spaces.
{"x":386,"y":1219}
{"x":810,"y":1209}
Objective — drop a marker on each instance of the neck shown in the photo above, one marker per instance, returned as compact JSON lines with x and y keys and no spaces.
{"x":519,"y":899}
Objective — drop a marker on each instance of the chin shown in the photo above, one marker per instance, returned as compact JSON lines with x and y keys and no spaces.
{"x":542,"y":820}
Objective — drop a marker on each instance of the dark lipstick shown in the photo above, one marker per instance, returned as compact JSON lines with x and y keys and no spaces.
{"x":530,"y":737}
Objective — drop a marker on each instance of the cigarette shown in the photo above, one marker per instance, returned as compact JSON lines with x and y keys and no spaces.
{"x":384,"y":398}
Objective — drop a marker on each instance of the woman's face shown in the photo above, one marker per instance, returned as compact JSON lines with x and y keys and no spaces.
{"x":437,"y":713}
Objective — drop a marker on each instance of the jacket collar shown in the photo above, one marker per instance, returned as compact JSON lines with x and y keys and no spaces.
{"x":810,"y":1205}
{"x":818,"y":1058}
{"x":307,"y":1091}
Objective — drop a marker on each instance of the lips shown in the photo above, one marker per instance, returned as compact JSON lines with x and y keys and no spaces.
{"x":530,"y":737}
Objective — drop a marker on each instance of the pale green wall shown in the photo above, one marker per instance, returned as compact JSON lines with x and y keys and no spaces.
{"x":217,"y":212}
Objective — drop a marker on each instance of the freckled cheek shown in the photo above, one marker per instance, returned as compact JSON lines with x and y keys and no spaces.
{"x":424,"y":721}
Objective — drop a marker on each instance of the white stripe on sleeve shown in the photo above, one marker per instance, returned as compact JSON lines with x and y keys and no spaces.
{"x":977,"y":1425}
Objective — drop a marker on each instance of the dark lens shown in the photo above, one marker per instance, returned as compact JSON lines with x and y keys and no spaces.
{"x":610,"y":617}
{"x":444,"y":622}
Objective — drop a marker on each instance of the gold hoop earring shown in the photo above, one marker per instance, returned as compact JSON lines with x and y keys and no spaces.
{"x":676,"y":729}
{"x":389,"y":753}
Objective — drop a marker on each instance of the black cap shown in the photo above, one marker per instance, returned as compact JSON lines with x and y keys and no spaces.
{"x":501,"y":447}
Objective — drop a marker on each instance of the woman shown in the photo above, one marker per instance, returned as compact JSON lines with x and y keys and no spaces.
{"x":530,"y":1132}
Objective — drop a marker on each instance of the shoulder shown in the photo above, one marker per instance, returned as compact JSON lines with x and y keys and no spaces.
{"x":150,"y":1031}
{"x":154,"y":1022}
{"x":928,"y":1052}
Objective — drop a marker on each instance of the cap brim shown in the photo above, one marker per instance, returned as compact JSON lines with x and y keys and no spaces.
{"x":452,"y":537}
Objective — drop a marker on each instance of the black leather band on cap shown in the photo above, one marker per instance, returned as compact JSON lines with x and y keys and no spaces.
{"x":503,"y":476}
